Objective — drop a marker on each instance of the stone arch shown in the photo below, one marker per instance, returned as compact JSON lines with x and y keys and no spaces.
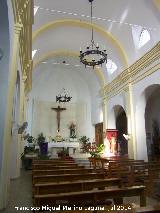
{"x":84,"y":24}
{"x":152,"y":121}
{"x":140,"y":121}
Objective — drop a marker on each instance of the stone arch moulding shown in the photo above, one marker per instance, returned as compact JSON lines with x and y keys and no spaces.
{"x":98,"y":72}
{"x":112,"y":115}
{"x":84,"y":24}
{"x":140,"y":123}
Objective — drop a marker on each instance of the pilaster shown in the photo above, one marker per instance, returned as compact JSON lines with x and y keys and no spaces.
{"x":130,"y":121}
{"x":105,"y":117}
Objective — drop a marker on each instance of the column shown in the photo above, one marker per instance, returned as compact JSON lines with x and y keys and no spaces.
{"x":21,"y":121}
{"x":105,"y":118}
{"x":4,"y":170}
{"x":130,"y":121}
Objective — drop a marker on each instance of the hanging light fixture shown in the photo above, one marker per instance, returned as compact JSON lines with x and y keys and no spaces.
{"x":93,"y":55}
{"x":63,"y":97}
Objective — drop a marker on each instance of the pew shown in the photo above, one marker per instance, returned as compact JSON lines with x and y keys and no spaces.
{"x":80,"y":185}
{"x":64,"y":163}
{"x":50,"y":166}
{"x":62,"y":171}
{"x":52,"y":161}
{"x":93,"y":197}
{"x":66,"y":177}
{"x":150,"y":209}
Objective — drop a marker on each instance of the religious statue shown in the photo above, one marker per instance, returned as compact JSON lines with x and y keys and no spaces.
{"x":72,"y":128}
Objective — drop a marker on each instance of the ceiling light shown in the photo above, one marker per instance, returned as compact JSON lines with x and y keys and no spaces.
{"x":93,"y":55}
{"x":63,"y":96}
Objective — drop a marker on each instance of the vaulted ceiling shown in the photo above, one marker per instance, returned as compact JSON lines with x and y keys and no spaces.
{"x":61,"y":27}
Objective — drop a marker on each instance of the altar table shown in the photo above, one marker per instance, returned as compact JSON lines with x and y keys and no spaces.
{"x":55,"y":146}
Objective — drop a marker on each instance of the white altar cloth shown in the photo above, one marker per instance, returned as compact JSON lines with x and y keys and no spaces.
{"x":71,"y":146}
{"x":63,"y":144}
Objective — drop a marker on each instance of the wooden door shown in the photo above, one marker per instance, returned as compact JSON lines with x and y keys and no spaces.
{"x":99,"y":133}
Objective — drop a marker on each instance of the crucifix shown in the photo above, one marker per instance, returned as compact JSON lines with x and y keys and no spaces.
{"x":58,"y":110}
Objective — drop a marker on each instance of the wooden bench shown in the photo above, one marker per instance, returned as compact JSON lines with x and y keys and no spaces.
{"x":148,"y":209}
{"x":62,"y":171}
{"x":66,"y":177}
{"x":50,"y":166}
{"x":64,"y":163}
{"x":80,"y":185}
{"x":52,"y":161}
{"x":93,"y":197}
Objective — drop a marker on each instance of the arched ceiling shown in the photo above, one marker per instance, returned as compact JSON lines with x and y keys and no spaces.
{"x":62,"y":27}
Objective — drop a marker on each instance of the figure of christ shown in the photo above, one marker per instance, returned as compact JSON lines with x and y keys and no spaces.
{"x":58,"y":110}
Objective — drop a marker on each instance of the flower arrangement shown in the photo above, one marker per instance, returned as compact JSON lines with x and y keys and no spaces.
{"x":41,"y":138}
{"x":31,"y":139}
{"x":84,"y":139}
{"x":98,"y":151}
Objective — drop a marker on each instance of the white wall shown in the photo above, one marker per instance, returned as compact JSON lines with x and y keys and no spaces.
{"x":84,"y":106}
{"x":45,"y":119}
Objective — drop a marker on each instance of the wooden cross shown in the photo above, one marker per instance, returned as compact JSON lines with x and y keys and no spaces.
{"x":58,"y":110}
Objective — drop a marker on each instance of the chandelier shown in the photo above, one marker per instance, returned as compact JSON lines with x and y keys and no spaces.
{"x":63,"y":97}
{"x":92,"y":51}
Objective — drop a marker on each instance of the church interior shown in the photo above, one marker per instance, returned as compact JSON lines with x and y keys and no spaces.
{"x":80,"y":100}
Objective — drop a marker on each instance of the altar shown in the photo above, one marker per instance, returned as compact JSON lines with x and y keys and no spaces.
{"x":56,"y":146}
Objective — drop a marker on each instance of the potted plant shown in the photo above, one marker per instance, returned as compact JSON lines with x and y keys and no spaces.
{"x":85,"y":143}
{"x":31,"y":141}
{"x":43,"y":145}
{"x":98,"y":151}
{"x":63,"y":153}
{"x":84,"y":139}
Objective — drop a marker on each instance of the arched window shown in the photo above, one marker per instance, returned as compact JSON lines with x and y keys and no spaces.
{"x":144,"y":38}
{"x":111,"y":66}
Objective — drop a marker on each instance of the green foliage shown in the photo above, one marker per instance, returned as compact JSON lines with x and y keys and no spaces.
{"x":84,"y":139}
{"x":31,"y":139}
{"x":41,"y":138}
{"x":98,"y":151}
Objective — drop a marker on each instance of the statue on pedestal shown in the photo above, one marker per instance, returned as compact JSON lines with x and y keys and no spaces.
{"x":72,"y":128}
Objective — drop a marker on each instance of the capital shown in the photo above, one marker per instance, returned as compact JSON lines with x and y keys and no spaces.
{"x":24,"y":77}
{"x":17,"y":28}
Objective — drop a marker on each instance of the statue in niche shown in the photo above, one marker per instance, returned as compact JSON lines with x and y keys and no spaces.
{"x":72,"y":128}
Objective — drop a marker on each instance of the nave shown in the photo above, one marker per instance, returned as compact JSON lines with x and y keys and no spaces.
{"x":23,"y":190}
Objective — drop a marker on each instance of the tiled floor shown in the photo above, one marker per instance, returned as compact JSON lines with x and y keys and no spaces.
{"x":21,"y":195}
